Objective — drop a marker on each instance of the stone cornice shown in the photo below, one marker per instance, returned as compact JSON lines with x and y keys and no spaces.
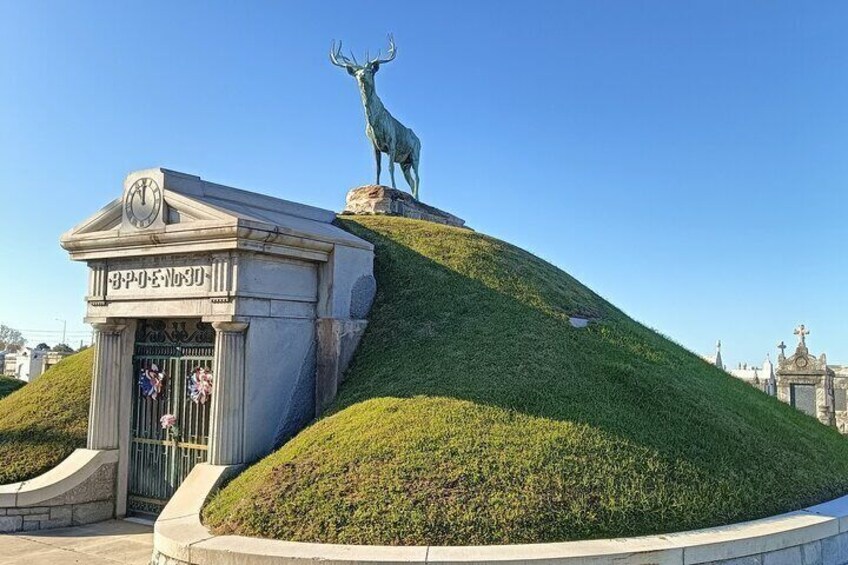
{"x":201,"y":236}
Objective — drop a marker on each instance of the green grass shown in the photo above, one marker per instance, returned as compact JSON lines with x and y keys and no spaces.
{"x":8,"y":385}
{"x":474,"y":413}
{"x":43,"y":422}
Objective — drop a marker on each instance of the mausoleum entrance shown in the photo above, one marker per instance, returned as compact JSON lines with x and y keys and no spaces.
{"x":172,"y":386}
{"x":223,"y":322}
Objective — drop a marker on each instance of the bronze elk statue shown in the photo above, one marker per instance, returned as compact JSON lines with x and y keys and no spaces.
{"x":387,"y":135}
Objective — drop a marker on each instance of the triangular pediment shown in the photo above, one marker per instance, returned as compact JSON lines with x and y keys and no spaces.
{"x":106,"y":219}
{"x":167,"y":212}
{"x":178,"y":209}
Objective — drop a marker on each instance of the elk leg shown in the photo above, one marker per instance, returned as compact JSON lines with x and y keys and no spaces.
{"x":407,"y":173}
{"x":379,"y":164}
{"x":392,"y":169}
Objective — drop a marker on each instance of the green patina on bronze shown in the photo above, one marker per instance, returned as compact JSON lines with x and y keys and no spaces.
{"x":387,"y":135}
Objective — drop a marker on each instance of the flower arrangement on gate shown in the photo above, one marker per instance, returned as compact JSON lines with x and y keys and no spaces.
{"x":150,"y":381}
{"x":200,"y":385}
{"x":169,"y":424}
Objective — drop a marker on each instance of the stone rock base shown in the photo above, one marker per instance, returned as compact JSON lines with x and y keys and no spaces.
{"x":379,"y":199}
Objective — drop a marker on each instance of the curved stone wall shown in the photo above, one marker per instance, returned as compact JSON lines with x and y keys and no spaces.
{"x":80,"y":490}
{"x":813,"y":536}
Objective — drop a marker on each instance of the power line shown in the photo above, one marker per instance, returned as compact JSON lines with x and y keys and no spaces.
{"x":55,"y":331}
{"x":56,"y":336}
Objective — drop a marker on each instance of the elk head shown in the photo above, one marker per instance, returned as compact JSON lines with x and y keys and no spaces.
{"x":364,"y":74}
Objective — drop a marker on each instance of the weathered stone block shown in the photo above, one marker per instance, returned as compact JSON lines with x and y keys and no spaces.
{"x":61,"y":513}
{"x":27,"y":511}
{"x":835,"y":550}
{"x":748,"y":560}
{"x":337,"y":342}
{"x":31,"y":526}
{"x":57,"y":523}
{"x":362,"y":296}
{"x":811,"y":553}
{"x":11,"y":523}
{"x":93,"y":512}
{"x":100,"y":486}
{"x":788,"y":556}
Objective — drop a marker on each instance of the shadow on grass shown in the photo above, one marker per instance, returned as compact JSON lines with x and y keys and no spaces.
{"x":8,"y":385}
{"x":435,"y":331}
{"x":473,"y":413}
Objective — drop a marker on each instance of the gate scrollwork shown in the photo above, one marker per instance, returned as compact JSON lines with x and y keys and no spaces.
{"x":164,"y":332}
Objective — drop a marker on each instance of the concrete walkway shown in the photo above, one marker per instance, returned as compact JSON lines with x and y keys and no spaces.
{"x":106,"y":543}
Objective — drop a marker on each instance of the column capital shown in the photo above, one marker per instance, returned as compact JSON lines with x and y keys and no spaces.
{"x":230,"y":327}
{"x":108,"y":327}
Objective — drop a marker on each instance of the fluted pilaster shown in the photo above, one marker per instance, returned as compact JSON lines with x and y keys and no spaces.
{"x":105,"y":386}
{"x":226,"y":425}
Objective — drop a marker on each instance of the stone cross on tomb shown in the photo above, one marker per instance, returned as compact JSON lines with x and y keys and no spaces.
{"x":802,"y":332}
{"x":782,"y":347}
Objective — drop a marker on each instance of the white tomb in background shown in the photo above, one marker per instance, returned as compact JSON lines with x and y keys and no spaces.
{"x":269,"y":295}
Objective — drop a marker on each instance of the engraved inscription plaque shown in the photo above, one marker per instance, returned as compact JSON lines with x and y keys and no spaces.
{"x":159,"y":277}
{"x":156,"y":277}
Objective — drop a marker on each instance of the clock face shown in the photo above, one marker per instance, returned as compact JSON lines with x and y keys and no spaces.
{"x":143,"y":202}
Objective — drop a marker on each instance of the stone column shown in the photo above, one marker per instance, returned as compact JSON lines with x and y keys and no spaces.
{"x":783,"y":393}
{"x":226,"y":422}
{"x":106,"y":386}
{"x":824,"y":401}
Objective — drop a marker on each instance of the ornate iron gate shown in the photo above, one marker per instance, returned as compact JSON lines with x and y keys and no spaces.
{"x":167,"y":356}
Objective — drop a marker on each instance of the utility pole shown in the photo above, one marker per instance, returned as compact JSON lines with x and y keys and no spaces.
{"x":64,"y":329}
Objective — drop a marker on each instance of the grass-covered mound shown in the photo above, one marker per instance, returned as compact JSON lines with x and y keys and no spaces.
{"x":8,"y":385}
{"x":475,"y":414}
{"x":43,"y":422}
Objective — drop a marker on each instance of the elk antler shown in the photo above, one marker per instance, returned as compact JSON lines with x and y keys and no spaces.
{"x":391,"y":54}
{"x":340,"y":60}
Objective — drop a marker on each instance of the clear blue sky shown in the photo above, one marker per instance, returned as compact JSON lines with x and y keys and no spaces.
{"x":686,"y":160}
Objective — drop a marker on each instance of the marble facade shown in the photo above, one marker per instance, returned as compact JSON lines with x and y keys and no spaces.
{"x":269,"y":275}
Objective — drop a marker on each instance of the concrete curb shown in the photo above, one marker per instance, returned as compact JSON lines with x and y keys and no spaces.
{"x":818,"y":534}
